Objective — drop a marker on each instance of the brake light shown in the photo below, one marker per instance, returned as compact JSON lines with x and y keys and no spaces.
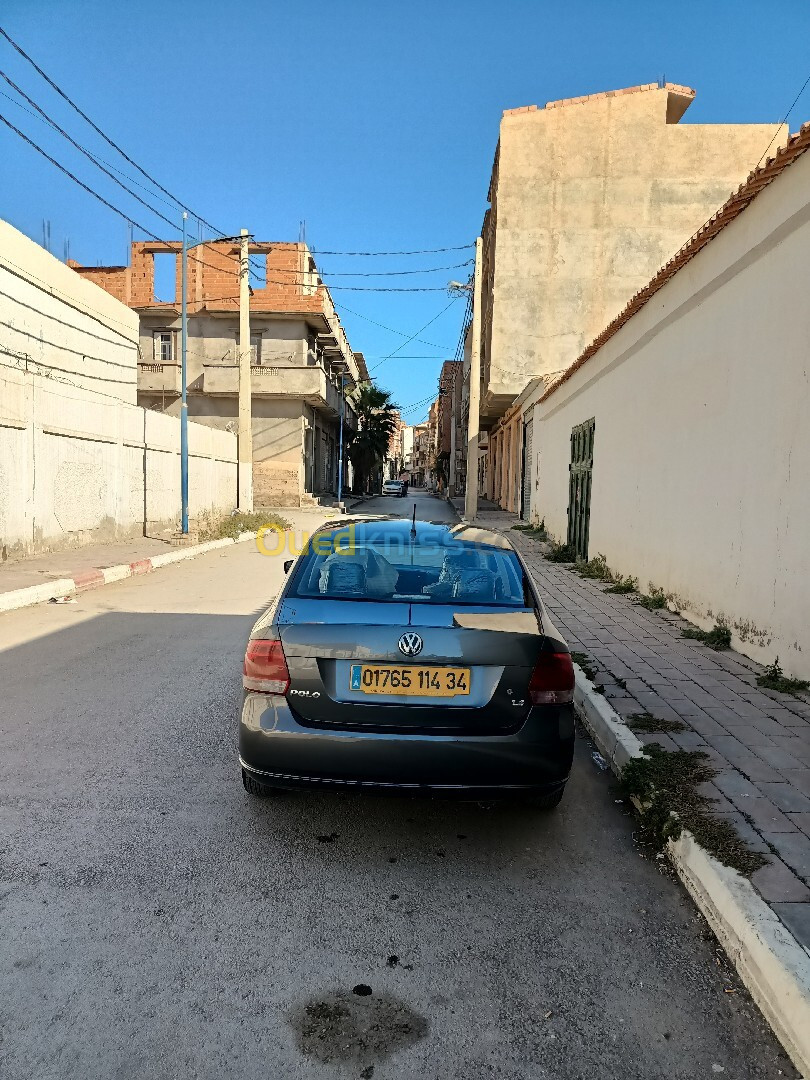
{"x":265,"y":667}
{"x":552,"y":681}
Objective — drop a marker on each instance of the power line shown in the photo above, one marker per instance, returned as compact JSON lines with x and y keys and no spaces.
{"x":65,"y":371}
{"x":390,"y":329}
{"x":87,"y":153}
{"x":98,"y":130}
{"x":67,"y":349}
{"x":413,"y":337}
{"x":784,"y":121}
{"x":127,"y":217}
{"x":376,"y":273}
{"x":422,"y":251}
{"x":128,"y":344}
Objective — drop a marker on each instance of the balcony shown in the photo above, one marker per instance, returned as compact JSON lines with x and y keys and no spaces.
{"x":309,"y":384}
{"x":159,"y":378}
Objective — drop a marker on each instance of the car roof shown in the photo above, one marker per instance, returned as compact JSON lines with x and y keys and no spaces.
{"x":433,"y":533}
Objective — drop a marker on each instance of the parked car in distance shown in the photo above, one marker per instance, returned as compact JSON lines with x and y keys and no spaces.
{"x":408,"y":657}
{"x":393,"y":487}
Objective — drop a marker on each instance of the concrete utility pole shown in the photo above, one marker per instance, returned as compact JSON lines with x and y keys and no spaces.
{"x":471,"y":495}
{"x":245,"y":446}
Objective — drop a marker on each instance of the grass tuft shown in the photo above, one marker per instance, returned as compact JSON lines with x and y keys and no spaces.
{"x":584,"y":661}
{"x":646,"y":722}
{"x":666,"y":784}
{"x":561,"y":553}
{"x":656,"y":600}
{"x":235,"y":524}
{"x":774,"y":678}
{"x":596,"y":569}
{"x":624,"y":585}
{"x":718,"y":638}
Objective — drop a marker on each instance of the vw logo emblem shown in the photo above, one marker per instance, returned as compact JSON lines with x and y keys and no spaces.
{"x":410,"y":644}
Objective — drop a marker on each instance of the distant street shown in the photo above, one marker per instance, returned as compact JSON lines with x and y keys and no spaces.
{"x":160,"y":923}
{"x":428,"y":507}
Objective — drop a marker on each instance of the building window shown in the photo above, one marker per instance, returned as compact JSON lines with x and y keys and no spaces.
{"x":255,"y":349}
{"x":163,"y":347}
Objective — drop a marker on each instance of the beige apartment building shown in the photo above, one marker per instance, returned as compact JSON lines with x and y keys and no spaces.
{"x":302,"y":366}
{"x":589,"y":197}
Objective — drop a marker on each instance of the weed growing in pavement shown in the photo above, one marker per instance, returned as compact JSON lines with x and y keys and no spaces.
{"x":561,"y":553}
{"x":646,"y":722}
{"x":656,"y":600}
{"x":666,"y":783}
{"x":624,"y":585}
{"x":534,"y":532}
{"x":584,"y":661}
{"x":597,"y":569}
{"x":718,"y":638}
{"x":774,"y":678}
{"x":235,"y":524}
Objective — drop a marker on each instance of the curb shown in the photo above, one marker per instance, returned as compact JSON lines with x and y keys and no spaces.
{"x":92,"y":579}
{"x":771,"y":963}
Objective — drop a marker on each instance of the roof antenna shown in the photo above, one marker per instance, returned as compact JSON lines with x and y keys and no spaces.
{"x":413,"y":523}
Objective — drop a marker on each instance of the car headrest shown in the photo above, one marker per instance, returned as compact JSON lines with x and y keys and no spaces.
{"x":343,"y":577}
{"x":474,"y":585}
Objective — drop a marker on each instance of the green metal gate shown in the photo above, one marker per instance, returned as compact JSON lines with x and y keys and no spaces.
{"x":579,"y":486}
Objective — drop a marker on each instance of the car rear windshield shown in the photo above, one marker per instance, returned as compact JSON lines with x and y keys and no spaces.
{"x":393,"y":569}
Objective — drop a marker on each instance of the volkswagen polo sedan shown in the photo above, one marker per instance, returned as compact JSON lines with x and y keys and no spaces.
{"x":408,"y":657}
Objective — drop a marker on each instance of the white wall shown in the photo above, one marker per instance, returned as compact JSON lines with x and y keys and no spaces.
{"x":76,"y":468}
{"x":54,"y":322}
{"x":702,"y":446}
{"x":79,"y":461}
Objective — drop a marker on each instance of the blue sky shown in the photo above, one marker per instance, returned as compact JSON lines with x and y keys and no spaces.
{"x":375,"y":123}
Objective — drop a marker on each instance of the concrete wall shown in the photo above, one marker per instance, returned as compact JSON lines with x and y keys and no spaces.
{"x":53,"y":322}
{"x":702,"y":445}
{"x":589,"y":198}
{"x":79,"y":461}
{"x":77,"y":468}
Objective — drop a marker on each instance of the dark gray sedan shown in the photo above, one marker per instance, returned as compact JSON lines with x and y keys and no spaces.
{"x":408,"y":657}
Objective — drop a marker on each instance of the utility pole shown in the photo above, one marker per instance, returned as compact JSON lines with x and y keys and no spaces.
{"x":340,"y":451}
{"x":245,"y":445}
{"x":471,"y":495}
{"x":183,"y":386}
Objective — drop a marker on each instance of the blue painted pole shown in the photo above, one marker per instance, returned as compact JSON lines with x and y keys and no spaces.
{"x":183,"y":401}
{"x":340,"y":451}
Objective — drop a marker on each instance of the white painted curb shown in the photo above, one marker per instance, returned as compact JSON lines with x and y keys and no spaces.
{"x":39,"y":594}
{"x":772,"y":964}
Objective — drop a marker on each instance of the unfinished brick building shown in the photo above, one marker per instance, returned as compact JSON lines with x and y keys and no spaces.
{"x":298,"y":352}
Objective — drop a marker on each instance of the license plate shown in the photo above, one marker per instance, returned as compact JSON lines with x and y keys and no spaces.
{"x":410,"y":681}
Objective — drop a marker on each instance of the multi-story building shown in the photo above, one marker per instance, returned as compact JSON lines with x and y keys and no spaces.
{"x":421,"y":469}
{"x":301,"y":362}
{"x":449,"y":433}
{"x":589,"y":196}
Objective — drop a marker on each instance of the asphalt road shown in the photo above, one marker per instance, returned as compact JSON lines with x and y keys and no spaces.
{"x":157,"y":922}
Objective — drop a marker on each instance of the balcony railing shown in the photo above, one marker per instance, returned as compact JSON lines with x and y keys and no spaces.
{"x":159,"y":378}
{"x":308,"y":383}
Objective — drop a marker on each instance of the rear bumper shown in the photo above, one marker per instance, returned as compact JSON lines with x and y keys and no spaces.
{"x":279,"y":750}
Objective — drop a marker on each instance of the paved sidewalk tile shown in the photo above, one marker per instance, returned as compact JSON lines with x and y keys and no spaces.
{"x":796,"y":918}
{"x":757,"y":739}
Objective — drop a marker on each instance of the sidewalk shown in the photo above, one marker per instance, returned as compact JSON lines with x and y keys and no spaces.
{"x":758,"y":740}
{"x":63,"y":573}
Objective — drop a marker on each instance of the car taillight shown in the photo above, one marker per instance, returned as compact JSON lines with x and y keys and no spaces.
{"x":265,"y":667}
{"x":552,"y":681}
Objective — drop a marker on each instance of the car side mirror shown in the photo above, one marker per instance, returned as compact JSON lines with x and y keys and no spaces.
{"x":288,"y":565}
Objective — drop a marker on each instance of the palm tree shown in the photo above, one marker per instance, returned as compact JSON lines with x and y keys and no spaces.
{"x":376,"y":423}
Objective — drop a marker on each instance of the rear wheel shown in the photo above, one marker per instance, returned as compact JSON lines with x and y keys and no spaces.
{"x":254,"y":787}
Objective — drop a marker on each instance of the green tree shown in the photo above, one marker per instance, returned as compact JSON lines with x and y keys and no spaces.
{"x":376,"y":423}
